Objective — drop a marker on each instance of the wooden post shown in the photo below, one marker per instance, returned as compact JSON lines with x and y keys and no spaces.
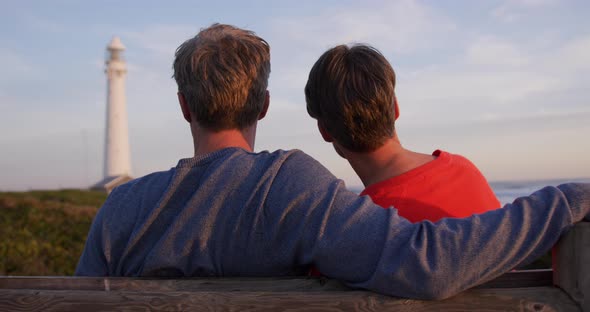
{"x":571,"y":264}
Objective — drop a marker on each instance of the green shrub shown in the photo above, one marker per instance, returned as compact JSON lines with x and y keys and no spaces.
{"x":43,"y":232}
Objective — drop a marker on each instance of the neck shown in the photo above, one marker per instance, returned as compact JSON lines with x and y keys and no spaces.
{"x":206,"y":141}
{"x":386,"y":162}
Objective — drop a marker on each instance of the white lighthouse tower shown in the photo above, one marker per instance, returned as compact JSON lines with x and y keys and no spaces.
{"x":117,"y":163}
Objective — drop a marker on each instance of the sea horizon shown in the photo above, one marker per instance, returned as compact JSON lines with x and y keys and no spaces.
{"x":508,"y":191}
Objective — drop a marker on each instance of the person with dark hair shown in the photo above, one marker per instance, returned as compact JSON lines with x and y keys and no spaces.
{"x":351,"y":93}
{"x":230,"y":211}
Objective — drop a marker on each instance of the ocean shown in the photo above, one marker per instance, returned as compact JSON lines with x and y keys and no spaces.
{"x":508,"y":191}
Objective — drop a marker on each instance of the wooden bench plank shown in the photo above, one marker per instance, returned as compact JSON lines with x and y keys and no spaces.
{"x":162,"y":285}
{"x":489,"y":300}
{"x":532,"y":278}
{"x":128,"y":294}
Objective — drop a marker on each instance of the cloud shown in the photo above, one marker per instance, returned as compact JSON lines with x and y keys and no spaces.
{"x":492,"y":51}
{"x":462,"y":93}
{"x":160,"y":40}
{"x":497,"y":77}
{"x":466,"y":84}
{"x":498,"y":146}
{"x":41,"y":23}
{"x":400,"y":26}
{"x":15,"y":66}
{"x":573,"y":55}
{"x":513,"y":10}
{"x":57,"y":160}
{"x":395,"y":27}
{"x":487,"y":77}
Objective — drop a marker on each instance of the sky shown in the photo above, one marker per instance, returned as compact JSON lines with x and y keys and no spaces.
{"x":503,"y":83}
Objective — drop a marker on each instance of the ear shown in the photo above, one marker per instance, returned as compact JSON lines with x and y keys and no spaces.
{"x":396,"y":107}
{"x":186,"y":112}
{"x":325,"y":135}
{"x":266,"y":104}
{"x":328,"y":138}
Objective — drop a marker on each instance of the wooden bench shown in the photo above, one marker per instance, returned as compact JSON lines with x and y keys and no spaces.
{"x":514,"y":291}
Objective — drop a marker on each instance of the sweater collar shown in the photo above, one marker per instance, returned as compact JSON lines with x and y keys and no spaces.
{"x":201,"y":159}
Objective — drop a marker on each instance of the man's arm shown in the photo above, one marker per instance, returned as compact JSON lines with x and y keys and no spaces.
{"x":108,"y":235}
{"x":92,"y":262}
{"x":349,"y":238}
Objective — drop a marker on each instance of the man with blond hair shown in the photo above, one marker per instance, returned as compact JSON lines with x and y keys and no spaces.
{"x":230,"y":211}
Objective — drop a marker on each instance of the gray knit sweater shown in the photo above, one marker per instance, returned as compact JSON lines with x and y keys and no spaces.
{"x":236,"y":213}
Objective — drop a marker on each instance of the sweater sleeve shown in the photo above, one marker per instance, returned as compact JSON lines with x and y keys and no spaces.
{"x":349,"y":238}
{"x":92,"y":262}
{"x":109,"y":230}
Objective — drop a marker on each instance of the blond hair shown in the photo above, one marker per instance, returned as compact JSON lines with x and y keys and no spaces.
{"x":223,"y":74}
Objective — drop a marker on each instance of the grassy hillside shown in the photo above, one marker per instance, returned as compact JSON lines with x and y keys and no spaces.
{"x":43,"y":232}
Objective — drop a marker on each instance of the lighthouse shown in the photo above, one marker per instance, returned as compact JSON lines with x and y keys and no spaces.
{"x":117,"y":163}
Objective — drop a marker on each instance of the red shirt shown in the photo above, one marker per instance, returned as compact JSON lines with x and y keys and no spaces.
{"x":449,"y":186}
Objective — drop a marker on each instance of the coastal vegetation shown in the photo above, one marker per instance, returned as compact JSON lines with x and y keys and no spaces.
{"x":43,"y":232}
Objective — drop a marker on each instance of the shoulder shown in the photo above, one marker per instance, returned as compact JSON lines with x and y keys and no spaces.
{"x":151,"y":182}
{"x":463,"y":169}
{"x":456,"y":160}
{"x":140,"y":189}
{"x":301,"y":163}
{"x":297,"y":173}
{"x":284,"y":154}
{"x":291,"y":160}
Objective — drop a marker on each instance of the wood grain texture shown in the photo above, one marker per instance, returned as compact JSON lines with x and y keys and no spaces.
{"x":481,"y":300}
{"x":571,"y":264}
{"x":187,"y":284}
{"x":533,"y":278}
{"x":272,"y":294}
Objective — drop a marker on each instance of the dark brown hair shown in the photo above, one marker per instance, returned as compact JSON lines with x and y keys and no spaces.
{"x":223,"y":74}
{"x":350,"y":91}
